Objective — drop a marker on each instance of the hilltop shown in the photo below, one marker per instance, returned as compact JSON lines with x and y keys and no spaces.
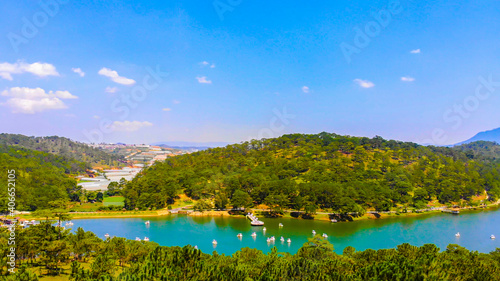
{"x":323,"y":171}
{"x":63,"y":147}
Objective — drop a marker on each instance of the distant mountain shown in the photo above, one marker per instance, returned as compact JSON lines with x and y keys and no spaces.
{"x":63,"y":147}
{"x":492,"y":135}
{"x":191,"y":145}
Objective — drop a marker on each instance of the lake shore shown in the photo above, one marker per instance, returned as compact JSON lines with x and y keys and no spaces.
{"x":321,"y":216}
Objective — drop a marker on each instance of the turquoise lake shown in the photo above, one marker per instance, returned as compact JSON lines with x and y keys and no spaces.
{"x":475,"y":228}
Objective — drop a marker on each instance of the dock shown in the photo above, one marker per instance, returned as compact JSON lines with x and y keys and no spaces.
{"x":254,"y":220}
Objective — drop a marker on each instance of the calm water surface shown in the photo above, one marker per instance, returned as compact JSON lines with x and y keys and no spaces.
{"x":475,"y":228}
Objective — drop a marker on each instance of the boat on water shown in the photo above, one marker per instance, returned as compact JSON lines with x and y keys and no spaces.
{"x":492,"y":236}
{"x":324,"y":235}
{"x":254,"y":234}
{"x":333,"y":220}
{"x":146,"y":239}
{"x":282,"y":239}
{"x":257,"y":223}
{"x":457,"y":234}
{"x":147,"y":223}
{"x":214,"y":242}
{"x":289,"y":240}
{"x":264,"y":229}
{"x":314,"y":232}
{"x":280,"y":225}
{"x":268,"y":240}
{"x":239,"y":235}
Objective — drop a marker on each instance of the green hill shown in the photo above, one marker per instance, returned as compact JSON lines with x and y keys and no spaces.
{"x":63,"y":147}
{"x":482,"y":150}
{"x":41,"y":178}
{"x":327,"y":171}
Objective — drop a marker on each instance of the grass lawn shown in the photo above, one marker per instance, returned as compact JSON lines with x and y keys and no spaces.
{"x":114,"y":200}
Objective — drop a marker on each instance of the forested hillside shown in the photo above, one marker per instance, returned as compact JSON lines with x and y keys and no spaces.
{"x":327,"y":171}
{"x":82,"y":256}
{"x":41,"y":178}
{"x":63,"y":147}
{"x":481,"y":150}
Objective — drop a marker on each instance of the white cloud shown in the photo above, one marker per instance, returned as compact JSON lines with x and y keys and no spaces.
{"x":39,"y":69}
{"x":129,"y":126}
{"x":204,"y":63}
{"x":78,"y":71}
{"x":166,"y":109}
{"x":364,"y":83}
{"x":111,"y":90}
{"x":31,"y":101}
{"x":305,"y":89}
{"x":115,"y":77}
{"x":203,"y":80}
{"x":416,"y":51}
{"x":176,"y":101}
{"x":407,"y":79}
{"x":97,"y":117}
{"x":213,"y":65}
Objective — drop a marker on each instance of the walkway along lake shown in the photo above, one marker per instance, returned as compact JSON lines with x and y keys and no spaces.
{"x":475,"y":228}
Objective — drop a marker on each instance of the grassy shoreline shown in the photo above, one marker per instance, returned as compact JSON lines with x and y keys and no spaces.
{"x":213,"y":213}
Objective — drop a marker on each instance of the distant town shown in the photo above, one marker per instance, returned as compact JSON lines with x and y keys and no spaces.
{"x":137,"y":157}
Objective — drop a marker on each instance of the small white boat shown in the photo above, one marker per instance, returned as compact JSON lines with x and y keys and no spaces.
{"x":146,"y":239}
{"x":239,"y":235}
{"x":147,"y":222}
{"x":324,"y":235}
{"x":280,"y":225}
{"x":268,"y":240}
{"x":333,"y":220}
{"x":282,"y":239}
{"x":289,"y":240}
{"x":106,"y":236}
{"x":492,"y":236}
{"x":137,"y":239}
{"x":254,"y":234}
{"x":264,"y":229}
{"x":273,"y":239}
{"x":214,"y":242}
{"x":457,"y":234}
{"x":314,"y":232}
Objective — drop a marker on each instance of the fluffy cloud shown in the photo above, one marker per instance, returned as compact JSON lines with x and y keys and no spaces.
{"x":111,"y":90}
{"x":129,"y":126}
{"x":416,"y":51}
{"x":203,"y":80}
{"x":78,"y":71}
{"x":364,"y":83}
{"x":166,"y":109}
{"x":39,"y":69}
{"x":305,"y":89}
{"x":407,"y":79}
{"x":113,"y":75}
{"x":31,"y":101}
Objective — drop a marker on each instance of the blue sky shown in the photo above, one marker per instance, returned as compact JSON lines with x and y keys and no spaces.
{"x":249,"y":69}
